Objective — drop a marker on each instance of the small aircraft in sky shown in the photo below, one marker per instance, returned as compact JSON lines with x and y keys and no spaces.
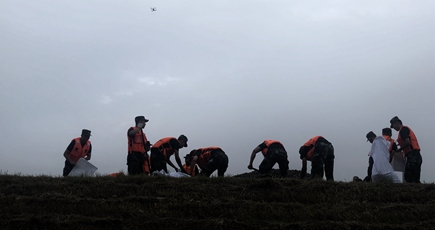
{"x":153,"y":9}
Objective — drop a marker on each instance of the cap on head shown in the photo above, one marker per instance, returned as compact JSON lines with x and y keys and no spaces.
{"x":394,"y":120}
{"x":148,"y":143}
{"x":188,"y":156}
{"x":370,"y":135}
{"x":183,"y":138}
{"x":140,"y":118}
{"x":387,"y":131}
{"x":86,"y":132}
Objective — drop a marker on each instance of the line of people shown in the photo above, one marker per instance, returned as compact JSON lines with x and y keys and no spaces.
{"x":318,"y":150}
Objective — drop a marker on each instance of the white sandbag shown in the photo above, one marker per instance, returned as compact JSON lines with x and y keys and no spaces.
{"x":172,"y":174}
{"x":398,"y":162}
{"x":178,"y":174}
{"x":386,"y":178}
{"x":382,"y":170}
{"x":83,"y":168}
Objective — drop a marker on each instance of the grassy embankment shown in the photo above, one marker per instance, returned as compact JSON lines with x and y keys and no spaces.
{"x":210,"y":203}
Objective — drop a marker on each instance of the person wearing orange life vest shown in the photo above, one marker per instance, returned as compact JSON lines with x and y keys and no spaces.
{"x":138,"y":146}
{"x":210,"y":159}
{"x":163,"y":149}
{"x":187,"y":166}
{"x":409,"y":145}
{"x":321,"y":154}
{"x":79,"y":147}
{"x":273,"y":152}
{"x":386,"y":133}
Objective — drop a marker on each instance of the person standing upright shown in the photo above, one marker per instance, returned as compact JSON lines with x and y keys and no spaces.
{"x":409,"y":145}
{"x":138,"y":146}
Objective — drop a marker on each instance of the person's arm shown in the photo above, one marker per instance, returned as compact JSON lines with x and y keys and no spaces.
{"x":196,"y":170}
{"x":393,"y":151}
{"x":304,"y":167}
{"x":171,"y":164}
{"x":404,"y":134}
{"x":407,"y":143}
{"x":193,"y":164}
{"x":177,"y":158}
{"x":168,"y":160}
{"x":254,"y":152}
{"x":303,"y":155}
{"x":88,"y":155}
{"x":67,"y":152}
{"x":132,"y":132}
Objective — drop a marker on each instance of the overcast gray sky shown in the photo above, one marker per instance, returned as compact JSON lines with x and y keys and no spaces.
{"x":224,"y":73}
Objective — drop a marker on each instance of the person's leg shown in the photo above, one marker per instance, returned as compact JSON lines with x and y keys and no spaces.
{"x":329,"y":164}
{"x":317,"y":166}
{"x":368,"y":178}
{"x":413,"y":167}
{"x":283,"y":162}
{"x":418,"y":168}
{"x":67,"y":168}
{"x":158,"y":161}
{"x":267,"y":164}
{"x":210,"y":166}
{"x":223,"y":165}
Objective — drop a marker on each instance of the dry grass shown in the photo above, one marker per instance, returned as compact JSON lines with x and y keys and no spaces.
{"x":210,"y":203}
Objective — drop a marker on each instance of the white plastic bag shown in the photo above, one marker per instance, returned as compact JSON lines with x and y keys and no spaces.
{"x":172,"y":174}
{"x":83,"y":168}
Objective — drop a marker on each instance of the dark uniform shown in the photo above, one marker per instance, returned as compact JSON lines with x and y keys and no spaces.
{"x":321,"y":154}
{"x":274,"y":152}
{"x":211,"y":159}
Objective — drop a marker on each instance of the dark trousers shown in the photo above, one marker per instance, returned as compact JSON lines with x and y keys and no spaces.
{"x":218,"y":161}
{"x":413,"y":166}
{"x":368,"y":178}
{"x":158,"y":161}
{"x":67,"y":168}
{"x":323,"y":159}
{"x":273,"y":156}
{"x":135,"y":162}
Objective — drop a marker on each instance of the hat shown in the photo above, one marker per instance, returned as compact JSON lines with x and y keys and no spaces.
{"x":387,"y":131}
{"x":394,"y":120}
{"x":148,"y":143}
{"x":86,"y":132}
{"x":370,"y":134}
{"x":183,"y":138}
{"x":188,"y":156}
{"x":140,"y":118}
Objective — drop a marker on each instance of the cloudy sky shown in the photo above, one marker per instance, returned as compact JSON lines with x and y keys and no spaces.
{"x":225,"y":73}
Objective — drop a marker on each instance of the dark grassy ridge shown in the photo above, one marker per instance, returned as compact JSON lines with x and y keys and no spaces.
{"x":211,"y":203}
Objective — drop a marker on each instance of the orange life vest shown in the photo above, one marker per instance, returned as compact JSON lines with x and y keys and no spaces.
{"x":136,"y":143}
{"x":389,"y":139}
{"x":311,"y":142}
{"x":205,"y":155}
{"x":78,"y":151}
{"x":268,"y":143}
{"x":164,"y":146}
{"x":116,"y":174}
{"x":188,"y":171}
{"x":412,"y":138}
